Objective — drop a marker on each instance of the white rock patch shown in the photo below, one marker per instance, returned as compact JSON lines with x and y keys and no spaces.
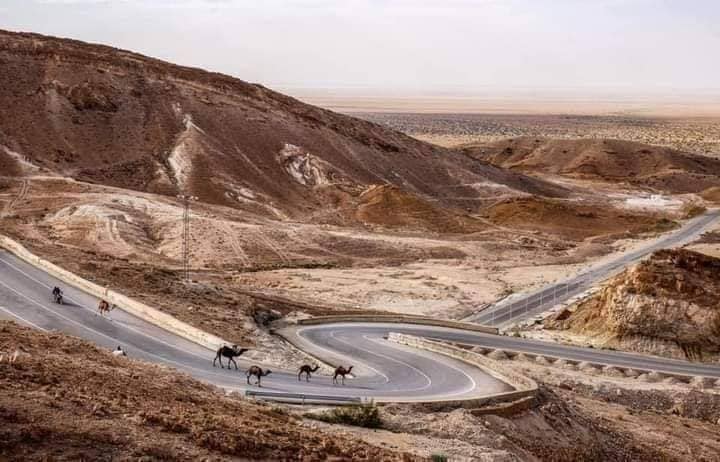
{"x":653,"y":201}
{"x":25,"y":164}
{"x":180,"y":159}
{"x":303,"y":167}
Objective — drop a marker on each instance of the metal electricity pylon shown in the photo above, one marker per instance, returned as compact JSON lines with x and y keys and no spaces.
{"x":186,"y":234}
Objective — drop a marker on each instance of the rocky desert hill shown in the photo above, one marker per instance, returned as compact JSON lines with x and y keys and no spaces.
{"x":616,"y":161}
{"x":572,"y":220}
{"x":113,"y":117}
{"x":82,"y":403}
{"x":666,"y":305}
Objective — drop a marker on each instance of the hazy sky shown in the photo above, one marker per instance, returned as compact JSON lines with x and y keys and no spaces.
{"x":635,"y":45}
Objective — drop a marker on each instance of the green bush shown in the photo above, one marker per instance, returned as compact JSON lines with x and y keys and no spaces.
{"x":358,"y":415}
{"x":439,"y":458}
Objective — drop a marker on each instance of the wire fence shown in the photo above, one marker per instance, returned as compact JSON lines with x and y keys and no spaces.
{"x":530,"y":305}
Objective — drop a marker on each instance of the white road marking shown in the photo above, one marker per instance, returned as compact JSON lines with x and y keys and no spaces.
{"x":203,"y":372}
{"x":124,"y":325}
{"x":472,"y":381}
{"x":23,"y":319}
{"x":387,"y":379}
{"x":337,"y":353}
{"x":332,"y":335}
{"x":115,"y":340}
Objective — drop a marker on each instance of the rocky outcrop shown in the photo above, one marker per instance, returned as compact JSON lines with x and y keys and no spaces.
{"x":666,"y":305}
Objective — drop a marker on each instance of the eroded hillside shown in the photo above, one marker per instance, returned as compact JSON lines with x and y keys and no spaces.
{"x":615,"y":161}
{"x":113,"y":117}
{"x":665,"y":305}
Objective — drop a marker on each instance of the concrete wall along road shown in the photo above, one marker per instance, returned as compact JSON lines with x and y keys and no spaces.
{"x":399,"y":318}
{"x":127,"y":304}
{"x":523,"y":386}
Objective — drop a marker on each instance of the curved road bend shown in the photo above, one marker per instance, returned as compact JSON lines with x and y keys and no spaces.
{"x":505,"y":314}
{"x":384,"y":370}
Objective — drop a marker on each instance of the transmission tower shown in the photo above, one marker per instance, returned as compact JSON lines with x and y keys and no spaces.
{"x":186,"y":235}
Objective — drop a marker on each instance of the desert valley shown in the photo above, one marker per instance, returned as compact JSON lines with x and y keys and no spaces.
{"x":302,"y":212}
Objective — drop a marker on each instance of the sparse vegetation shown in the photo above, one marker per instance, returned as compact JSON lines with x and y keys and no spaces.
{"x":365,"y":415}
{"x":507,"y":291}
{"x":692,"y":210}
{"x":664,"y":225}
{"x":452,"y":130}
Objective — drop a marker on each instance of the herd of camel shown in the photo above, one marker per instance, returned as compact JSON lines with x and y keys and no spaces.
{"x":255,"y":371}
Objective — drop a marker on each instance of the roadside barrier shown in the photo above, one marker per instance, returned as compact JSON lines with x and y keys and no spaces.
{"x":302,"y":398}
{"x":140,"y":310}
{"x":523,"y":386}
{"x":398,"y":318}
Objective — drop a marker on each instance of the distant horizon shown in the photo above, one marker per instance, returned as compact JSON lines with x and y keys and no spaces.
{"x":531,"y":101}
{"x":633,"y":47}
{"x":497,"y":89}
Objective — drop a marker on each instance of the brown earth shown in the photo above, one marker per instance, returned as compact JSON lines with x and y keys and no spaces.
{"x":616,"y":161}
{"x":113,"y":117}
{"x":390,"y":207}
{"x":711,"y":194}
{"x":131,"y":242}
{"x":556,"y":428}
{"x":65,"y":399}
{"x":571,"y":219}
{"x":573,"y":418}
{"x":666,"y":305}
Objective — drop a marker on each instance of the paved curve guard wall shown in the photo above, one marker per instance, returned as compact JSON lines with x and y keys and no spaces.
{"x":399,"y":318}
{"x":133,"y":307}
{"x":523,"y":386}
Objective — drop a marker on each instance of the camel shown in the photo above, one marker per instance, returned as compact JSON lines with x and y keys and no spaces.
{"x":342,"y":372}
{"x":307,"y":370}
{"x":104,"y":307}
{"x":257,"y":372}
{"x":229,"y":353}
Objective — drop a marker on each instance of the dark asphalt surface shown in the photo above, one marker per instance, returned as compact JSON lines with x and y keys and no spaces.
{"x":385,"y":370}
{"x":505,"y":314}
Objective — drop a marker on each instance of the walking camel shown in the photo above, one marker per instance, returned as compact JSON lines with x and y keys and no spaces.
{"x":104,"y":307}
{"x":230,"y":354}
{"x":307,"y":370}
{"x":342,"y":372}
{"x":257,"y":372}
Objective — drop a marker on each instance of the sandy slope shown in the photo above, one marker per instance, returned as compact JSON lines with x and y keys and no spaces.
{"x":65,"y":399}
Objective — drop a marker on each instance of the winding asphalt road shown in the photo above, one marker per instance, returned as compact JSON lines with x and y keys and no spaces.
{"x":385,"y":371}
{"x":510,"y":312}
